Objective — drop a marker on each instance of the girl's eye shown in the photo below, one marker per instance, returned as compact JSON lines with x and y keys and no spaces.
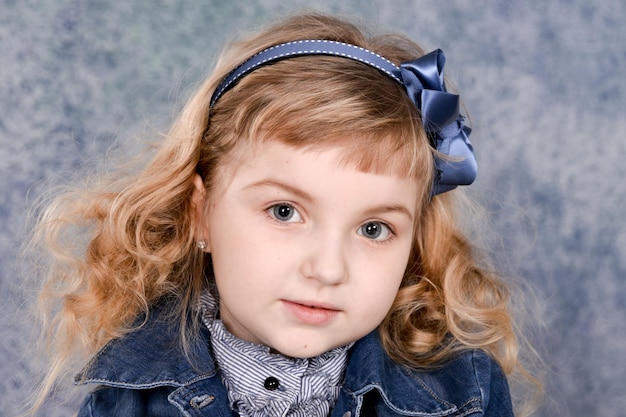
{"x":285,"y":213}
{"x":375,"y":230}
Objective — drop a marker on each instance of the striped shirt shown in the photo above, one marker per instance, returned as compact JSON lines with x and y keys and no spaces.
{"x":261,"y":383}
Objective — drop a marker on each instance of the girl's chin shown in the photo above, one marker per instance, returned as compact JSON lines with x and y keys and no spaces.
{"x":303,"y":350}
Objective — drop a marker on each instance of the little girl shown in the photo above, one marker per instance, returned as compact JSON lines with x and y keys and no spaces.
{"x":290,"y":250}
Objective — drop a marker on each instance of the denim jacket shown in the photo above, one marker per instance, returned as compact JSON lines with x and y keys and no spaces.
{"x":145,"y":373}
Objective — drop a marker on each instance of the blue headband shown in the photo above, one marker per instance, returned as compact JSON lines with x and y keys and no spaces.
{"x":423,"y":81}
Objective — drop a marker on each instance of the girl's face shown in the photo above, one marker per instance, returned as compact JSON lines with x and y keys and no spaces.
{"x":308,"y":253}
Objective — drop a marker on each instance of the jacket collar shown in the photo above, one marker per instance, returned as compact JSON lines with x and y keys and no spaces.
{"x":403,"y":389}
{"x":151,"y":356}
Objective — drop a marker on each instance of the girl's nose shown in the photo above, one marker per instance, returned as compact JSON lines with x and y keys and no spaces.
{"x":325,"y":261}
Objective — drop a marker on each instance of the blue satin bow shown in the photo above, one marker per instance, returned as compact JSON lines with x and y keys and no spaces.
{"x":423,"y":80}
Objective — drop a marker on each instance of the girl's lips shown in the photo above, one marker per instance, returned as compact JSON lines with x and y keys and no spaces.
{"x":311,"y":313}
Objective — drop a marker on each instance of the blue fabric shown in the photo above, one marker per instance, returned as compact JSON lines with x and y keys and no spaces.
{"x":145,"y":373}
{"x":303,"y":48}
{"x":424,"y":83}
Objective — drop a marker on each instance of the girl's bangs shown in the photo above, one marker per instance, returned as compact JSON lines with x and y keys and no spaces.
{"x":329,"y":102}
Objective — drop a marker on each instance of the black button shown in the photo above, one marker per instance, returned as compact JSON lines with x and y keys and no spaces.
{"x":271,"y":383}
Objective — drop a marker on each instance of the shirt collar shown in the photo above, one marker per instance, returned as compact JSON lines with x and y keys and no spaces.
{"x":296,"y":386}
{"x":303,"y":387}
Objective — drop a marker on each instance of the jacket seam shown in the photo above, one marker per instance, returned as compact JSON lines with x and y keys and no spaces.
{"x":471,"y":411}
{"x":90,"y":405}
{"x":476,"y":381}
{"x":431,"y":392}
{"x":161,"y":383}
{"x":120,"y":384}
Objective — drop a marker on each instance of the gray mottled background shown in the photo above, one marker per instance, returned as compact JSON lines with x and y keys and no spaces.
{"x":544,"y":81}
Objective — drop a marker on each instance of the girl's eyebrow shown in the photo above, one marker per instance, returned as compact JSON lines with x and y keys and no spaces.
{"x":394,"y":208}
{"x":391,"y":208}
{"x":285,"y":187}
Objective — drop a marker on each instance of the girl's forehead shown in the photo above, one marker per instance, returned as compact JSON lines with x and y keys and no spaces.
{"x":381,"y":155}
{"x":272,"y":163}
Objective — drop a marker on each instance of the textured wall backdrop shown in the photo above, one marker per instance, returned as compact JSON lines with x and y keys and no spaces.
{"x":544,"y":81}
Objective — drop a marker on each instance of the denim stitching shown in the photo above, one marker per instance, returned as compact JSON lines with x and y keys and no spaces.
{"x":159,"y":383}
{"x":471,"y":411}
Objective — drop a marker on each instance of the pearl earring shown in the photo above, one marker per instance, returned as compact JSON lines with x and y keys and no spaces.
{"x":202,"y":244}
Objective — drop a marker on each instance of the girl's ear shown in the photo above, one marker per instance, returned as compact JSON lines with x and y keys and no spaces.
{"x":198,"y":198}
